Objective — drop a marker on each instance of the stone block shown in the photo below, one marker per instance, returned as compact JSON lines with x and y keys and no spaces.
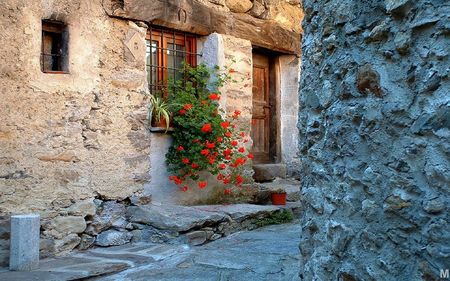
{"x":268,"y":172}
{"x":239,"y":6}
{"x":83,"y":208}
{"x":196,"y":237}
{"x":24,"y":250}
{"x":113,"y":238}
{"x":68,"y":224}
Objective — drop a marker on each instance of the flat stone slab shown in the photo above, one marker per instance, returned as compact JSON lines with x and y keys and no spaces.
{"x":240,"y":212}
{"x":268,"y":172}
{"x":173,"y":217}
{"x":273,"y":255}
{"x":291,"y":186}
{"x":72,"y":270}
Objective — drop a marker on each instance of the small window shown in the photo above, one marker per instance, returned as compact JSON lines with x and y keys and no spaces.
{"x":54,"y":47}
{"x":166,"y":51}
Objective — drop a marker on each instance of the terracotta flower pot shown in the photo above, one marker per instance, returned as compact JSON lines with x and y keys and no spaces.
{"x":161,"y":124}
{"x":278,"y":198}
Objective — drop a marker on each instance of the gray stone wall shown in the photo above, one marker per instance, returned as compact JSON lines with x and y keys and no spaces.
{"x":374,"y":127}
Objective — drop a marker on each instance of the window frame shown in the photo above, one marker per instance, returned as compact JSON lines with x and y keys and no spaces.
{"x":164,"y":37}
{"x":56,"y":28}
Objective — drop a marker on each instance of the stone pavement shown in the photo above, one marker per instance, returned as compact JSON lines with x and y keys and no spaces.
{"x":268,"y":253}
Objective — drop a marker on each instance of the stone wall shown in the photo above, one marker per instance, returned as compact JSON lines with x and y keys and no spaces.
{"x":374,"y":127}
{"x":286,"y":13}
{"x":65,"y":138}
{"x":288,"y":100}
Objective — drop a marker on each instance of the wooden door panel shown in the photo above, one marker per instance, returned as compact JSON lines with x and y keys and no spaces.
{"x":261,"y":109}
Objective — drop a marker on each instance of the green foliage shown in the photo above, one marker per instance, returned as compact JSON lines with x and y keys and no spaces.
{"x":284,"y":216}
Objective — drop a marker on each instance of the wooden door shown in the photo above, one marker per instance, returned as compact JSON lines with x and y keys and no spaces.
{"x":261,"y":109}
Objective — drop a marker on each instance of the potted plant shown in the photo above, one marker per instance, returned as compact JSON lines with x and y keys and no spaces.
{"x":158,"y":113}
{"x":278,"y":197}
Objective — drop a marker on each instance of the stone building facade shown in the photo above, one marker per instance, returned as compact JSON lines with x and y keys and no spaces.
{"x":374,"y":126}
{"x":74,"y":140}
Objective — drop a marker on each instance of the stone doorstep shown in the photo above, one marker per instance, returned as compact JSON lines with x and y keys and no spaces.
{"x":291,"y":186}
{"x":269,"y":172}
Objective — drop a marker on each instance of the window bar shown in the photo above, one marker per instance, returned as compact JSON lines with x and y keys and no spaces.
{"x":174,"y":59}
{"x":162,"y":58}
{"x":151,"y":60}
{"x":184,"y":58}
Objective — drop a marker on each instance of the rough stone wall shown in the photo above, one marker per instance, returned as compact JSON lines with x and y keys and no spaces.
{"x":65,"y":138}
{"x":285,"y":12}
{"x":374,"y":127}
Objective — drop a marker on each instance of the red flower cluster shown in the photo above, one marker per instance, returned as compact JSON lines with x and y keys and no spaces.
{"x":202,"y":184}
{"x":206,"y":141}
{"x":214,"y":96}
{"x":207,"y":128}
{"x":210,"y":144}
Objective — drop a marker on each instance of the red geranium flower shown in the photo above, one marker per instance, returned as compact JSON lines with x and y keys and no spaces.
{"x":228,"y":157}
{"x":227,"y":191}
{"x":184,"y":188}
{"x":237,"y":112}
{"x":214,"y":96}
{"x":182,"y":112}
{"x":227,"y":152}
{"x":219,"y":139}
{"x":194,"y":166}
{"x":234,"y":143}
{"x":207,"y":128}
{"x":222,"y":166}
{"x":211,"y":160}
{"x":250,"y":156}
{"x":220,"y":177}
{"x":204,"y":152}
{"x":239,"y":180}
{"x":228,"y":134}
{"x":239,"y":161}
{"x":210,"y":144}
{"x":226,"y":181}
{"x":225,"y":124}
{"x":187,"y":106}
{"x":202,"y":184}
{"x":242,"y":134}
{"x":177,"y":180}
{"x":241,"y":149}
{"x":180,"y":148}
{"x":185,"y":160}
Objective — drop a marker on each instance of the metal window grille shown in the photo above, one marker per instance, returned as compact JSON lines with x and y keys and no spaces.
{"x":165,"y":52}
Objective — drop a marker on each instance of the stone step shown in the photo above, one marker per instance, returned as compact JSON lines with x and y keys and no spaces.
{"x":197,"y":225}
{"x":291,"y":186}
{"x":173,"y":217}
{"x":268,"y":172}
